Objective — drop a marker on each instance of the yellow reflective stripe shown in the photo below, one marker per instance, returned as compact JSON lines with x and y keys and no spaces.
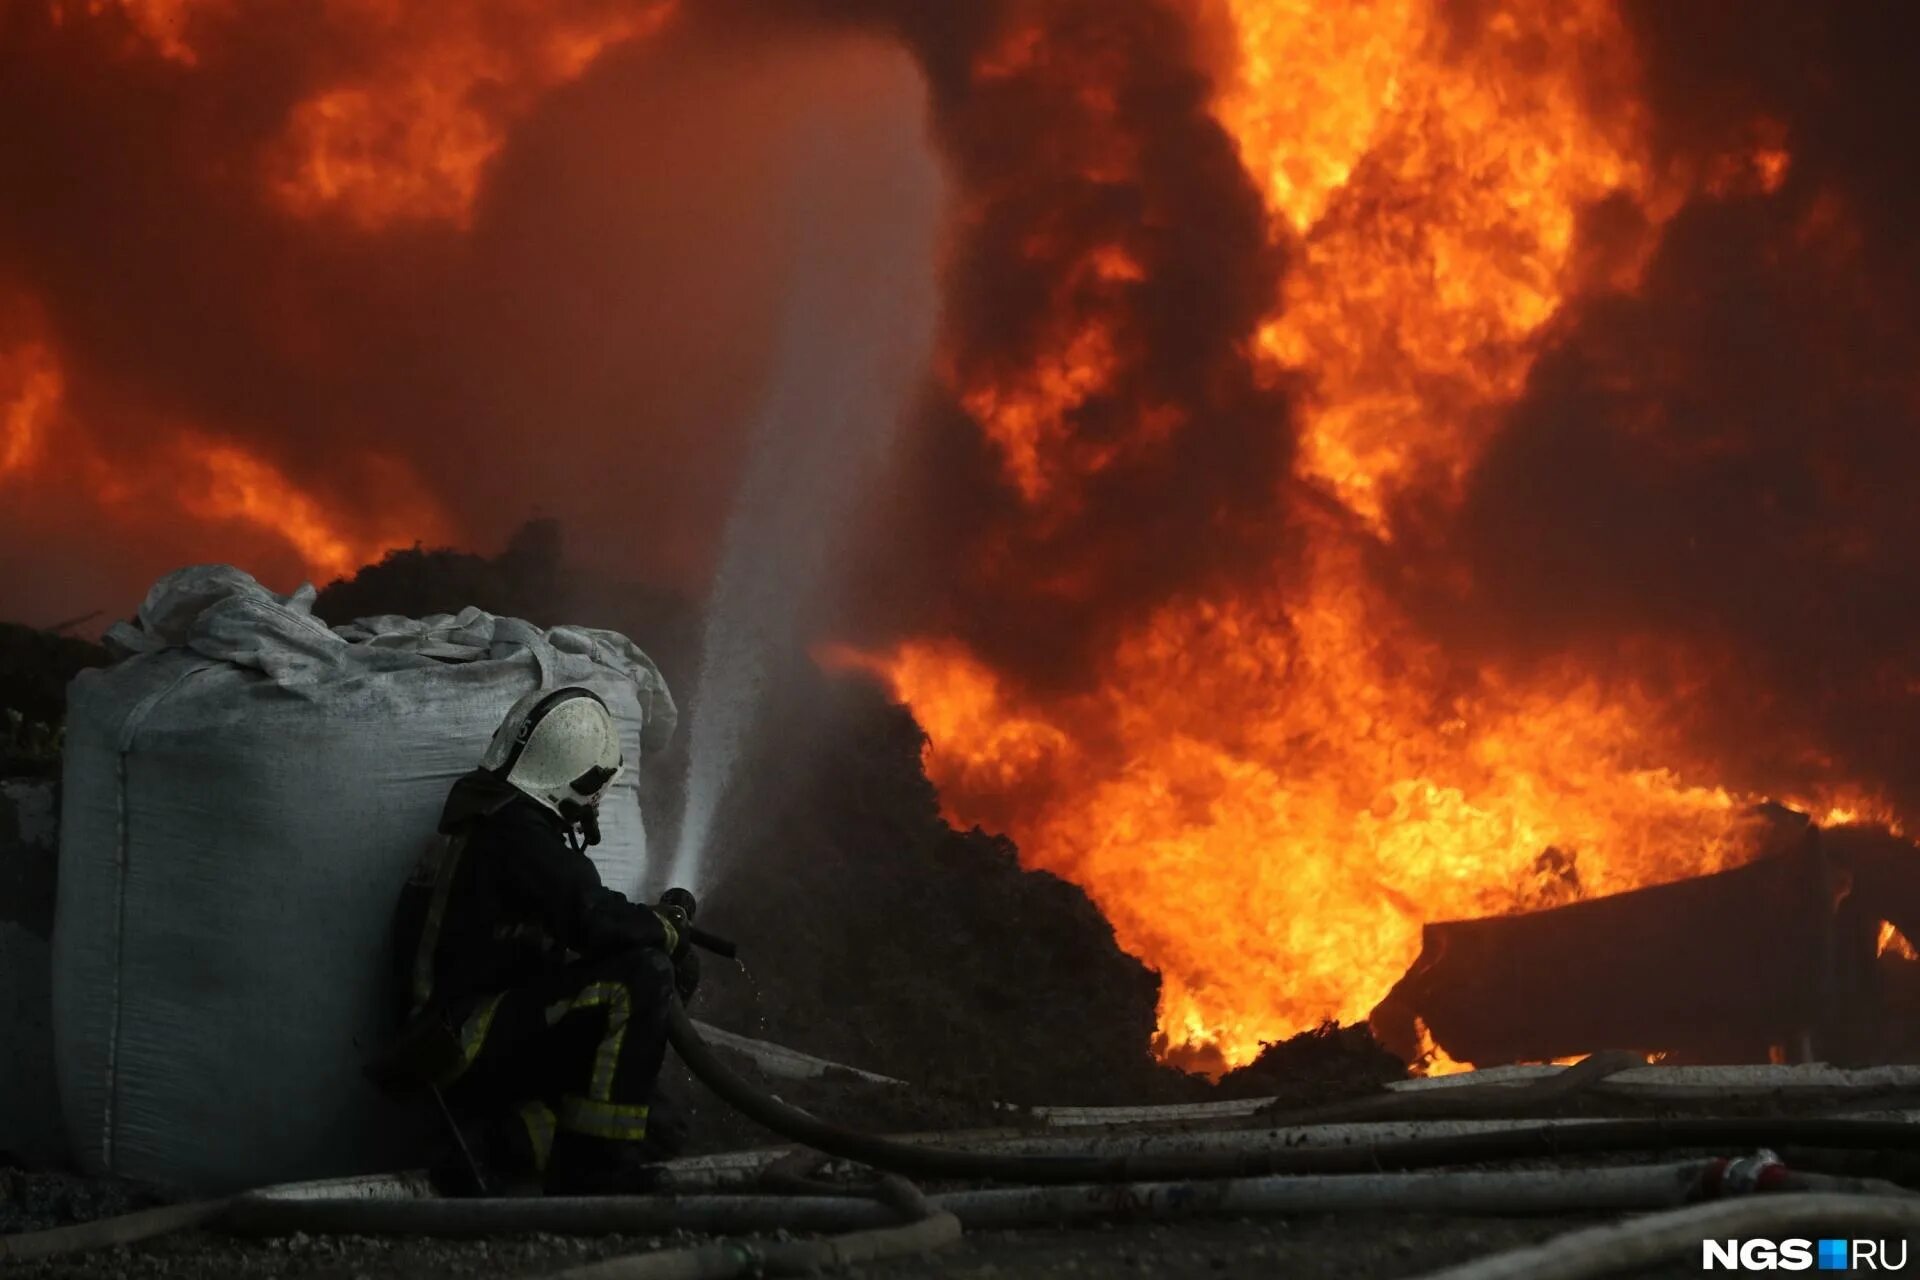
{"x":449,"y":862}
{"x":596,"y":1115}
{"x":473,"y":1036}
{"x":473,"y":1032}
{"x":597,"y":1118}
{"x":606,"y":1060}
{"x":539,"y":1119}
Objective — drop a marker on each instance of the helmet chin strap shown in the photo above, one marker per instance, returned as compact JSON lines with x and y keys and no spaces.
{"x":583,"y":816}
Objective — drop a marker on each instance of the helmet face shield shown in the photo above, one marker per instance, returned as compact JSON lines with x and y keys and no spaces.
{"x":592,"y":785}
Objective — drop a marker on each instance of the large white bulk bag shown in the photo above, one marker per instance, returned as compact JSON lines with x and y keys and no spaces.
{"x":244,"y":797}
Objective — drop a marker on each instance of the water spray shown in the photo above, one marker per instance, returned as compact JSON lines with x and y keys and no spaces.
{"x":855,"y":341}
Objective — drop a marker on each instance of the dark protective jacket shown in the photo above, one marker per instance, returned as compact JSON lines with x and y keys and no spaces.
{"x":506,"y":894}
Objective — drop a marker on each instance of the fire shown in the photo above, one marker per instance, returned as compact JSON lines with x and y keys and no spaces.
{"x":1436,"y":190}
{"x":410,"y":140}
{"x":989,"y":748}
{"x":191,"y":473}
{"x":1292,"y":792}
{"x":161,"y":24}
{"x":1315,"y":86}
{"x":235,"y":485}
{"x":1758,"y":169}
{"x":1430,"y":1059}
{"x":1269,"y":790}
{"x":1267,"y":783}
{"x":31,"y":387}
{"x":1028,"y":412}
{"x":1893,"y":942}
{"x":1028,"y":419}
{"x":407,"y":138}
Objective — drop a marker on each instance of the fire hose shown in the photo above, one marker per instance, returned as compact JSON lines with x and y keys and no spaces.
{"x":1247,"y":1178}
{"x":283,"y":1211}
{"x":1643,"y":1242}
{"x":1275,"y":1156}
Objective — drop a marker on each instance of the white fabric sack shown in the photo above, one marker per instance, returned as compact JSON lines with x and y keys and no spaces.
{"x":245,"y":794}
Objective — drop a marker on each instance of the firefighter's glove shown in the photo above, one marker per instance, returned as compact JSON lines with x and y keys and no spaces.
{"x":678,"y":930}
{"x":686,"y":961}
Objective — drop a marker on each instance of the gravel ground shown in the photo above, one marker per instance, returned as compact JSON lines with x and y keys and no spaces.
{"x":1360,"y":1246}
{"x":1348,"y":1247}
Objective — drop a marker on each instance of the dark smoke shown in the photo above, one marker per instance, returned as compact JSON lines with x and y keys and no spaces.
{"x":590,"y":349}
{"x":1721,"y":468}
{"x":1033,"y":152}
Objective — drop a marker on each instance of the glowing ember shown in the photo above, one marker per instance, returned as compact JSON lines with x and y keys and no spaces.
{"x":1894,"y":942}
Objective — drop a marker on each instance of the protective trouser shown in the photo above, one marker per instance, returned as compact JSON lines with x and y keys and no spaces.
{"x":574,"y":1055}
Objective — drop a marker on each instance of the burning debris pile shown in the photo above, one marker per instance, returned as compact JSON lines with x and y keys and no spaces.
{"x":1799,"y":955}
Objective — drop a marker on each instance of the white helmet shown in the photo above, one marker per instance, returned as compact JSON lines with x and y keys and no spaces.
{"x":560,"y":747}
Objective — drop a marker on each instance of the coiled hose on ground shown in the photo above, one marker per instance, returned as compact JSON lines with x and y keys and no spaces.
{"x":1642,"y":1242}
{"x":1261,"y":1156}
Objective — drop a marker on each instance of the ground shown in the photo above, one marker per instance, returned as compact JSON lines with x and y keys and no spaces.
{"x":1346,"y":1247}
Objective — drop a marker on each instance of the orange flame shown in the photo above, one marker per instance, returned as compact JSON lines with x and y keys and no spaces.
{"x":411,"y":141}
{"x":1294,"y":792}
{"x":195,"y":474}
{"x":235,"y":485}
{"x":31,"y":388}
{"x":163,"y":25}
{"x":1436,"y":189}
{"x":1028,"y":419}
{"x":407,"y":140}
{"x":1760,"y":169}
{"x":1268,"y":794}
{"x":1430,"y":1059}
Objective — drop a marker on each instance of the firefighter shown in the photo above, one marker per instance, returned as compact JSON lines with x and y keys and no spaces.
{"x":536,"y":997}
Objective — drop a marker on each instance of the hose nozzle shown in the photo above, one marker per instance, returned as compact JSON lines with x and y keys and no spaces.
{"x":682,"y":902}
